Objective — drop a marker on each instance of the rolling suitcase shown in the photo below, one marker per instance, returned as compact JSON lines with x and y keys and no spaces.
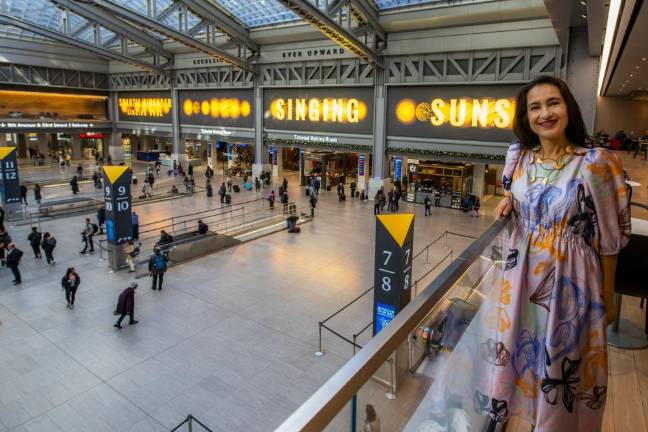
{"x":228,"y":199}
{"x":236,"y":188}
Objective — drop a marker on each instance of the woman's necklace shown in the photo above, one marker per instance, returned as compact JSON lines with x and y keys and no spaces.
{"x":548,"y":174}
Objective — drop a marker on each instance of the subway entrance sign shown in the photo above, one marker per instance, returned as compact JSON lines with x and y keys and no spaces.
{"x":117,"y":194}
{"x":9,"y":183}
{"x":393,"y":267}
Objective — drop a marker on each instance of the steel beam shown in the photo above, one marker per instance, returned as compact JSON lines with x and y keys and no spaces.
{"x":223,"y":21}
{"x":60,"y":37}
{"x":151,"y":24}
{"x":116,"y":25}
{"x":332,"y":30}
{"x":364,"y":8}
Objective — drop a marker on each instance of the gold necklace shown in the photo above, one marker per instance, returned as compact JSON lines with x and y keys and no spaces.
{"x":558,"y":164}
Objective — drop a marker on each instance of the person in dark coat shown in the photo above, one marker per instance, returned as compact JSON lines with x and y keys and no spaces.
{"x":38,"y":196}
{"x":74,"y":183}
{"x":48,"y":244}
{"x":157,"y":266}
{"x":13,"y":260}
{"x":34,"y":239}
{"x":135,"y":225}
{"x":222,"y":192}
{"x":126,"y":305}
{"x":70,"y":282}
{"x":23,"y":194}
{"x":190,"y":170}
{"x":5,"y":239}
{"x":101,"y":218}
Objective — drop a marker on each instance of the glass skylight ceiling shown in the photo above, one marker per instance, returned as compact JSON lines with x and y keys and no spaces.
{"x":392,"y":4}
{"x":255,"y":13}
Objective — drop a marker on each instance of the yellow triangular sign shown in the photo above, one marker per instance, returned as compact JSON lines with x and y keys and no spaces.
{"x":397,"y":225}
{"x":4,"y":151}
{"x":114,"y":172}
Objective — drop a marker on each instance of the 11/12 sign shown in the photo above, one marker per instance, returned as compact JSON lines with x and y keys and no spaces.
{"x":9,"y":183}
{"x":393,"y":267}
{"x":117,"y":198}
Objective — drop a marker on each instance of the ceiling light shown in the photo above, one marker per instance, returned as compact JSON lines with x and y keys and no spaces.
{"x":612,"y":18}
{"x":643,"y":59}
{"x":584,"y":16}
{"x":583,"y":2}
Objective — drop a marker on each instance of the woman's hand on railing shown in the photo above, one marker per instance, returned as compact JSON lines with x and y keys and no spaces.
{"x":504,"y":208}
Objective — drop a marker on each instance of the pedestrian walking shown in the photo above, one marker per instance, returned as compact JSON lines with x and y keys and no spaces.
{"x":79,"y":171}
{"x":208,"y":186}
{"x":340,"y":191}
{"x":74,"y":184}
{"x":353,"y":189}
{"x":372,"y":422}
{"x":13,"y":261}
{"x":313,"y":204}
{"x":70,"y":283}
{"x":222,"y":192}
{"x":101,"y":218}
{"x":428,"y":205}
{"x":157,"y":266}
{"x":135,"y":225}
{"x":89,"y":230}
{"x":257,"y":184}
{"x":38,"y":196}
{"x":271,"y":199}
{"x":34,"y":239}
{"x":437,"y":198}
{"x":190,"y":170}
{"x":229,"y":184}
{"x":5,"y":240}
{"x":126,"y":306}
{"x":377,"y":201}
{"x":476,"y":205}
{"x":131,"y":252}
{"x":23,"y":194}
{"x":48,"y":244}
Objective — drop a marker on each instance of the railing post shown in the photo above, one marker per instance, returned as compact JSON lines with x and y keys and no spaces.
{"x":427,"y":254}
{"x":319,"y":352}
{"x":391,"y":394}
{"x":446,"y":239}
{"x":189,"y":422}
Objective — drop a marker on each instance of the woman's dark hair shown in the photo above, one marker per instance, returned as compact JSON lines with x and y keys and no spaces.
{"x":575,"y":131}
{"x":69,"y":270}
{"x":371,"y":413}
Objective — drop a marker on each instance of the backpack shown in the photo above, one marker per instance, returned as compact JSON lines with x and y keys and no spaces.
{"x":159,"y":263}
{"x":95,"y":228}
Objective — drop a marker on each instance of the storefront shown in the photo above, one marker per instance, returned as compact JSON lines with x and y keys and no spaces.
{"x":448,"y":139}
{"x":217,"y":128}
{"x":320,"y":132}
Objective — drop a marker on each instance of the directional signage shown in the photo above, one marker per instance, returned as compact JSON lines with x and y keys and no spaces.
{"x":9,"y":186}
{"x":393,"y":267}
{"x":117,"y":194}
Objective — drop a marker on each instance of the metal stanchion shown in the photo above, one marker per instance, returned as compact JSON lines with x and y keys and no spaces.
{"x":320,"y":353}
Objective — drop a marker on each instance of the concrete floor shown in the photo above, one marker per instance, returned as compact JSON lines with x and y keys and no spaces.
{"x":230,"y":339}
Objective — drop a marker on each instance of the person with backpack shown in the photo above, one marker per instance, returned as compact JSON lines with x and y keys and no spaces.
{"x":101,"y":218}
{"x":131,"y":252}
{"x":126,"y":305}
{"x":34,"y":239}
{"x":428,"y":205}
{"x":135,"y":225}
{"x":70,"y":283}
{"x":157,"y":267}
{"x":88,"y":233}
{"x":13,"y":261}
{"x":48,"y":244}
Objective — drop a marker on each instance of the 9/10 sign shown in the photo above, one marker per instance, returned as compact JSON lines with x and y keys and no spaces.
{"x":117,"y":195}
{"x":393,"y":267}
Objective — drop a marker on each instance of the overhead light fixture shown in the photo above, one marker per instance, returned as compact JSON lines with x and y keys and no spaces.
{"x":583,"y":2}
{"x":643,"y":59}
{"x":610,"y":30}
{"x":584,"y":16}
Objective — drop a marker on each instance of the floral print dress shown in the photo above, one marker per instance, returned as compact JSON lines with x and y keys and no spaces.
{"x":547,"y":359}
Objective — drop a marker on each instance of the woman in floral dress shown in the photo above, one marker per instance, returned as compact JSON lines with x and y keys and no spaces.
{"x":548,"y":358}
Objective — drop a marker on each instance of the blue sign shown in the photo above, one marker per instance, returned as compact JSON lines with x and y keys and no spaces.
{"x":383,"y":315}
{"x":110,"y":230}
{"x":398,"y":168}
{"x":361,"y":165}
{"x":275,"y":152}
{"x":229,"y":152}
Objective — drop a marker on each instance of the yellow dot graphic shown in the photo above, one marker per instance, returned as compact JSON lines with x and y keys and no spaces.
{"x":196,"y":107}
{"x":204,"y":108}
{"x":423,"y":112}
{"x":246,"y":109}
{"x":406,"y":111}
{"x":235,"y":108}
{"x":187,"y":107}
{"x":214,"y":107}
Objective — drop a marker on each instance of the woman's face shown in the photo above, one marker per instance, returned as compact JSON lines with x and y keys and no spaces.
{"x":547,"y":112}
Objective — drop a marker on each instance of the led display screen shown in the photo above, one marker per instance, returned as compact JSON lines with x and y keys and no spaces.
{"x":330,"y":110}
{"x":479,"y":113}
{"x":149,"y":107}
{"x":222,"y":108}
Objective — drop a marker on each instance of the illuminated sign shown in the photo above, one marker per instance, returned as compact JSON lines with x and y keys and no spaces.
{"x":90,"y":135}
{"x":222,"y":132}
{"x":315,"y":138}
{"x":480,"y":113}
{"x":339,"y":110}
{"x":145,"y":107}
{"x":47,"y":125}
{"x":217,"y":108}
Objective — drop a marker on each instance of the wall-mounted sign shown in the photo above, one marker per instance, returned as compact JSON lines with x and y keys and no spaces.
{"x":90,"y":135}
{"x":311,"y":53}
{"x":316,"y":138}
{"x":226,"y":108}
{"x":41,"y":125}
{"x":221,"y":132}
{"x":153,"y":107}
{"x":482,"y":113}
{"x":117,"y":195}
{"x":340,"y":110}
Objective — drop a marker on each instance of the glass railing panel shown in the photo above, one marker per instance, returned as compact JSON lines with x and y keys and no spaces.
{"x":430,"y":380}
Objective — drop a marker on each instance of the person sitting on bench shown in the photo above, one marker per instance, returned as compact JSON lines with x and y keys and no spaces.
{"x":292,"y":224}
{"x":202,"y":227}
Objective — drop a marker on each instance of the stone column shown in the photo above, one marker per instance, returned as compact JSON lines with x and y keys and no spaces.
{"x":260,"y":153}
{"x":363,"y":160}
{"x":20,"y":142}
{"x":479,"y":171}
{"x":379,"y":178}
{"x":75,"y":142}
{"x":113,"y":142}
{"x":178,"y":144}
{"x":43,"y":144}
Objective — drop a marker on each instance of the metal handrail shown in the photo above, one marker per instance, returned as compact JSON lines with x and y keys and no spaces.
{"x":189,"y":422}
{"x":317,"y":412}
